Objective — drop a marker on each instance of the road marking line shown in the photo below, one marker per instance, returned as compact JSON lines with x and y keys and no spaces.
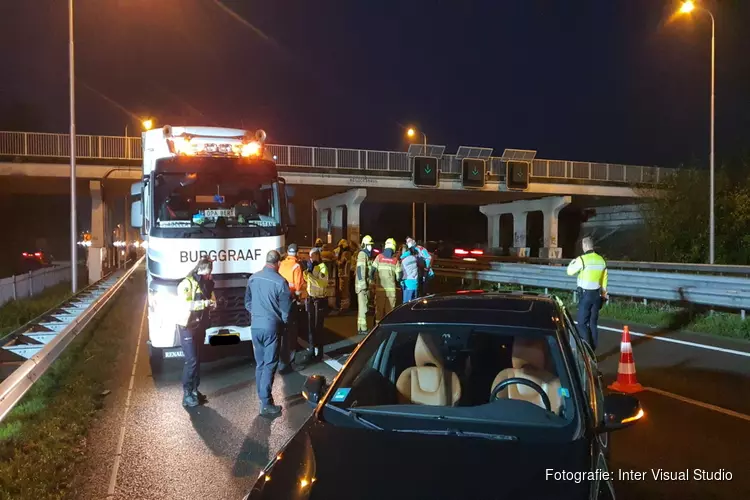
{"x":678,"y":341}
{"x":707,"y":406}
{"x":121,"y":440}
{"x":327,"y":359}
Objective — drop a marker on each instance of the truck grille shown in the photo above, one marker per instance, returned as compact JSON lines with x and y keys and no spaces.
{"x":230,"y":309}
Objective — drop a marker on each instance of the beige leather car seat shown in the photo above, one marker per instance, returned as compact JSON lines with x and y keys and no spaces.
{"x":530,"y":361}
{"x":428,"y":383}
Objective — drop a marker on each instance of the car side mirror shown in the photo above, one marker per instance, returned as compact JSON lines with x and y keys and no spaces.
{"x":314,"y":388}
{"x":620,"y":411}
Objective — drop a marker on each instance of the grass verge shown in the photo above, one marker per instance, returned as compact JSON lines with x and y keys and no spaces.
{"x":16,"y":313}
{"x":43,"y":438}
{"x":654,"y":314}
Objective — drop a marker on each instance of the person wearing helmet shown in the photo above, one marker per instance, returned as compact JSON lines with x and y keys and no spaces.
{"x":343,"y":256}
{"x":362,"y":283}
{"x":387,"y":269}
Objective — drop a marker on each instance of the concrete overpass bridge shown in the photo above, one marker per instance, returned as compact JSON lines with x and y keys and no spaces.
{"x":339,"y":179}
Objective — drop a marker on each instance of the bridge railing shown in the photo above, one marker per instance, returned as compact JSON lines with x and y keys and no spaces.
{"x":34,"y":144}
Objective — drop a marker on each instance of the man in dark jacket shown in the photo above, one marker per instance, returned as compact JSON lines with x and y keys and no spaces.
{"x":268,"y":300}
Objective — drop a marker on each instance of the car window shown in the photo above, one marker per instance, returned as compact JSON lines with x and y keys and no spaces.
{"x":459,"y":371}
{"x":576,"y":346}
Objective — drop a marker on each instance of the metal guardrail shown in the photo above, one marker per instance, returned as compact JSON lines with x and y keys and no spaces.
{"x":36,"y":144}
{"x":714,"y":291}
{"x":674,"y":267}
{"x":42,"y":340}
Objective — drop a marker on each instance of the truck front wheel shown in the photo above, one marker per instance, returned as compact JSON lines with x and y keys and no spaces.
{"x":155,"y":358}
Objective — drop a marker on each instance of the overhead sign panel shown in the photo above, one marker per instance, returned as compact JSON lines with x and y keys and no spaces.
{"x":517,"y":174}
{"x":473,"y":172}
{"x":425,"y":171}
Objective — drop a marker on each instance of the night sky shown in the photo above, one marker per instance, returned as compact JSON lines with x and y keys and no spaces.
{"x":589,"y":80}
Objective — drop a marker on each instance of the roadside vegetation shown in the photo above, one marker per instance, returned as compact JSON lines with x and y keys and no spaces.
{"x":44,"y":438}
{"x":17,"y":313}
{"x":653,"y":314}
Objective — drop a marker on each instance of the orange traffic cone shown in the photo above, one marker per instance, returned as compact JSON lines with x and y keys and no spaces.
{"x":626,"y":380}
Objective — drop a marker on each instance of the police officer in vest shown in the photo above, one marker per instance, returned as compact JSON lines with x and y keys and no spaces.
{"x":592,"y":289}
{"x":196,"y":292}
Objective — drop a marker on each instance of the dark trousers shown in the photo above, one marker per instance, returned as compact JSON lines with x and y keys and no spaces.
{"x":191,"y":341}
{"x":292,"y":332}
{"x":316,"y":310}
{"x":266,"y":350}
{"x":588,"y":315}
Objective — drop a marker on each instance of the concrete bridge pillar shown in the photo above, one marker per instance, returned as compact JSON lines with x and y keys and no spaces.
{"x":551,"y":212}
{"x":519,"y":247}
{"x":550,"y":208}
{"x":332,"y":208}
{"x":97,"y":252}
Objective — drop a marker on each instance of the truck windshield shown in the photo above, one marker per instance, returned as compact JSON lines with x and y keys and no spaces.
{"x":235,"y":201}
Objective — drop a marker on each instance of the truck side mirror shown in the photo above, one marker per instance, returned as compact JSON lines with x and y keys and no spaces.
{"x":136,"y":214}
{"x":291,"y":215}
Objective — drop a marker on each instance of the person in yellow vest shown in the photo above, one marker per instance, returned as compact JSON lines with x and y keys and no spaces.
{"x":362,"y":283}
{"x":387,"y":268}
{"x":343,"y":256}
{"x":196,"y":294}
{"x":316,"y":276}
{"x":592,"y":289}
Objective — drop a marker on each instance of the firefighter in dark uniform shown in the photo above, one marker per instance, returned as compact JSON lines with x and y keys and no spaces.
{"x":196,"y":292}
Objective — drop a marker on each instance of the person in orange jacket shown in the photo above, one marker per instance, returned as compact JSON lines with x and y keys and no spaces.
{"x":291,"y":269}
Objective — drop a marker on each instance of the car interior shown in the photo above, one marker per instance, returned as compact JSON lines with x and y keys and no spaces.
{"x":459,"y":368}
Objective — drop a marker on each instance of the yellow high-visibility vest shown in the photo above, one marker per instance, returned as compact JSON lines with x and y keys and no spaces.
{"x":592,"y":271}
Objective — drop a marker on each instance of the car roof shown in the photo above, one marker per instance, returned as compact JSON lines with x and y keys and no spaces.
{"x":526,"y":310}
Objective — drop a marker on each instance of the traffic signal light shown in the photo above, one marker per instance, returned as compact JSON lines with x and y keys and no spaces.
{"x":473,"y":172}
{"x":517,"y":174}
{"x":425,"y":171}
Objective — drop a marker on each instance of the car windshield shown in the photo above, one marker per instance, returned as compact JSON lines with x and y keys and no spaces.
{"x":449,"y":377}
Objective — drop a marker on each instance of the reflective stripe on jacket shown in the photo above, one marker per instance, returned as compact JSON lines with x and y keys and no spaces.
{"x":317,"y":281}
{"x":591,"y":269}
{"x":190,"y":294}
{"x":291,"y":270}
{"x":388,"y":271}
{"x":363,"y":272}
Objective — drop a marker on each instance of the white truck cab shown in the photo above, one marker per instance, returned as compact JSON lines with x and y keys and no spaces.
{"x":206,"y":191}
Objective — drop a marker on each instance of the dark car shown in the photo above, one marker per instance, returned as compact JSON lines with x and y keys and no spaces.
{"x":31,"y":261}
{"x":466,"y":395}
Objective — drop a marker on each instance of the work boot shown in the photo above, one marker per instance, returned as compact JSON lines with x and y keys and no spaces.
{"x":270,"y":410}
{"x":188,"y":399}
{"x":196,"y":393}
{"x":199,"y":396}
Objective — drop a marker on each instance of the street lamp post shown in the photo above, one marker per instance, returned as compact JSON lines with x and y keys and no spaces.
{"x":411,"y":133}
{"x":73,"y":211}
{"x":686,"y":8}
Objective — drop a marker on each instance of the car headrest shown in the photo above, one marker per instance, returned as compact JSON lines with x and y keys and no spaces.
{"x":426,"y":352}
{"x":529,"y":351}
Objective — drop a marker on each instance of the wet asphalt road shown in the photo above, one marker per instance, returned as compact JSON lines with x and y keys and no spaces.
{"x":216,"y":451}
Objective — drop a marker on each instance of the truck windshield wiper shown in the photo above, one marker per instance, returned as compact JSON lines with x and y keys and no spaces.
{"x":354,"y":416}
{"x":251,"y":223}
{"x":199,"y":230}
{"x":460,"y":433}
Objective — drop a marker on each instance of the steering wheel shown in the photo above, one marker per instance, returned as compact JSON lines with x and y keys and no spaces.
{"x":522,"y":381}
